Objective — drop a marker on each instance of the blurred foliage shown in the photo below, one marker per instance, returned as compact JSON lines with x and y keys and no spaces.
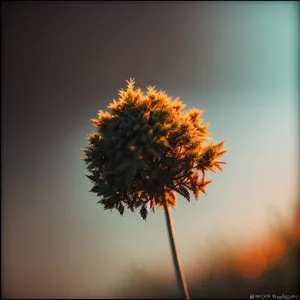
{"x":147,"y":149}
{"x":271,"y":267}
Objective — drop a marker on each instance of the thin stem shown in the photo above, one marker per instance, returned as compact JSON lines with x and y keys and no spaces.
{"x":179,"y":273}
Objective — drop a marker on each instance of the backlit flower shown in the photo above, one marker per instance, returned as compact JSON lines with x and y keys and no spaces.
{"x":147,"y":149}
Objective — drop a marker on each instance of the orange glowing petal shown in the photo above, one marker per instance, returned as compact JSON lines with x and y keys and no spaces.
{"x":202,"y":189}
{"x":176,"y":100}
{"x":96,"y":122}
{"x":147,"y":115}
{"x":122,"y":92}
{"x":219,"y":146}
{"x":91,"y":136}
{"x":207,"y":182}
{"x":107,"y":115}
{"x":130,"y":82}
{"x":151,"y":90}
{"x":211,"y":169}
{"x":113,"y":104}
{"x":205,"y":126}
{"x":219,"y":167}
{"x":177,"y":104}
{"x":220,"y":153}
{"x":152,"y":204}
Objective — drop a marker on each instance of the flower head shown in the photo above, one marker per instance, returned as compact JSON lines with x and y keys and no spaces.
{"x":147,"y":149}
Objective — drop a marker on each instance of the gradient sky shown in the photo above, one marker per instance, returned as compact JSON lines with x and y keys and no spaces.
{"x":63,"y":61}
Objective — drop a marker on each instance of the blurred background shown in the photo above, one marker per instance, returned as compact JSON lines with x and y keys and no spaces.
{"x":63,"y":61}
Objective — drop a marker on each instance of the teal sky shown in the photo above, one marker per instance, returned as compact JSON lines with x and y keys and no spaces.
{"x":62,"y":62}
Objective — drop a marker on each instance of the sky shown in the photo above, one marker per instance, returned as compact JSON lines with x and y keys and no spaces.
{"x":62,"y":61}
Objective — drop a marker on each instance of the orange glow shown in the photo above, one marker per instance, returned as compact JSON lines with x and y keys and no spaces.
{"x":275,"y":249}
{"x":251,"y":263}
{"x":295,"y":229}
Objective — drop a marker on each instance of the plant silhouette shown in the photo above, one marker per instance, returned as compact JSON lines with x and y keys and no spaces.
{"x":147,"y":150}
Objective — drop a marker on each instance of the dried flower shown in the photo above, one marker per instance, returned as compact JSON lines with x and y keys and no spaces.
{"x":147,"y":150}
{"x":147,"y":147}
